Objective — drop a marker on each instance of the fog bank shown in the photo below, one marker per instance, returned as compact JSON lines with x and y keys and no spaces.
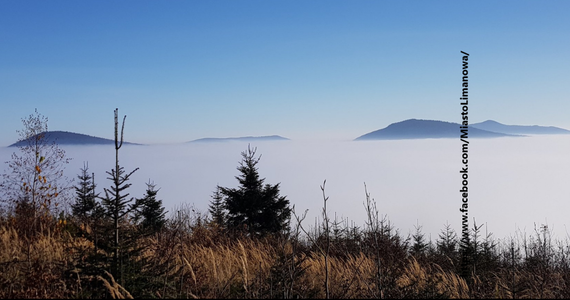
{"x":513,"y":182}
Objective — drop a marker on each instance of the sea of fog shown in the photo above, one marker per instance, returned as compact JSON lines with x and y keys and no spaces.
{"x":515,"y":184}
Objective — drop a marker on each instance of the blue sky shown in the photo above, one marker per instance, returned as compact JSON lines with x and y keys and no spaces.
{"x":183,"y":70}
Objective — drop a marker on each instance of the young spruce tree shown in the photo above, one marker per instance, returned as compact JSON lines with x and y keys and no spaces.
{"x":86,"y":199}
{"x":255,"y":207}
{"x":86,"y":209}
{"x":116,"y":206}
{"x":217,"y":210}
{"x":149,"y":212}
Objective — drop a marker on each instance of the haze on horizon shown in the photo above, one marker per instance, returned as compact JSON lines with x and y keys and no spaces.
{"x":329,"y":70}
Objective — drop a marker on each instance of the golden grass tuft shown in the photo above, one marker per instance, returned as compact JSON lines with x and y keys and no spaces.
{"x":213,"y":271}
{"x":34,"y":267}
{"x":115,"y":289}
{"x":349,"y":277}
{"x":431,"y":281}
{"x":10,"y":244}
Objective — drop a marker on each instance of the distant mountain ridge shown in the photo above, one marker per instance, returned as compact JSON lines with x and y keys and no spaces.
{"x":245,"y":138}
{"x":495,"y":126}
{"x":423,"y":129}
{"x":70,"y":138}
{"x":407,"y":129}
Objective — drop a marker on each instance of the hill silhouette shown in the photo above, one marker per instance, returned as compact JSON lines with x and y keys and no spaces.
{"x":245,"y":138}
{"x":495,"y":126}
{"x":70,"y":138}
{"x":425,"y":129}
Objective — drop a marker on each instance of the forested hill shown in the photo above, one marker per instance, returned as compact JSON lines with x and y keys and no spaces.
{"x":70,"y":138}
{"x":495,"y":126}
{"x":425,"y":129}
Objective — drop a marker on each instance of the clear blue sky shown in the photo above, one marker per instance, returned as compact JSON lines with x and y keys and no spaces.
{"x":182,"y":70}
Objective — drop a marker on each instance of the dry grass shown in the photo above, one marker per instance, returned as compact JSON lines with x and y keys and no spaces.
{"x":34,"y":268}
{"x":204,"y":264}
{"x":115,"y":289}
{"x":221,"y":271}
{"x":431,"y":282}
{"x":349,"y":277}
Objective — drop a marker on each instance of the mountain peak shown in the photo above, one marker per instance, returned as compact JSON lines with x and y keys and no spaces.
{"x":491,"y":122}
{"x":421,"y":129}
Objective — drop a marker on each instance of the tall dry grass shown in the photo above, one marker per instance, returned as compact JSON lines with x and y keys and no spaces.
{"x":225,"y":270}
{"x":431,"y":281}
{"x":38,"y":267}
{"x":201,"y":261}
{"x":350,"y":277}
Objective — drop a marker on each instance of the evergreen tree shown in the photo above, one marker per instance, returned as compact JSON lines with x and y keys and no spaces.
{"x":255,"y":207}
{"x":116,"y":208}
{"x":216,"y":208}
{"x":149,"y":213}
{"x":86,"y":209}
{"x":86,"y":199}
{"x":419,"y":245}
{"x":447,"y":243}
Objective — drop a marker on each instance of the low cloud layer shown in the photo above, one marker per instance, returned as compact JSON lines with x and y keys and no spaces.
{"x":514,"y":183}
